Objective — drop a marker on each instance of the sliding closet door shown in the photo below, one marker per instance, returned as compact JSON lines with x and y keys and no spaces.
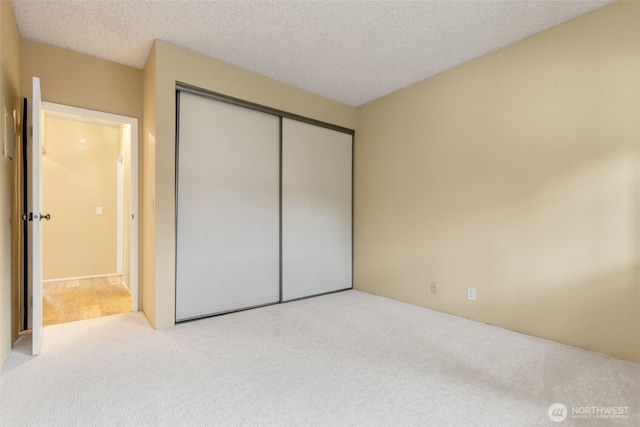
{"x":316,"y":210}
{"x":228,"y":231}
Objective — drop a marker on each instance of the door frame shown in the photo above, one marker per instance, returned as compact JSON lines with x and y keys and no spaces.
{"x":120,"y":165}
{"x":133,"y":123}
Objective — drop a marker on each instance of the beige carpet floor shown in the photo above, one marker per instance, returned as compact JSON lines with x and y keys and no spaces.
{"x":345,"y":359}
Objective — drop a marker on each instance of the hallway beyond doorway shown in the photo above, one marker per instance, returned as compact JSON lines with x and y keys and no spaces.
{"x":71,"y":300}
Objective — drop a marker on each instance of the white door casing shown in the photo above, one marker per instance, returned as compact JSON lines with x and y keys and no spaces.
{"x":120,"y":215}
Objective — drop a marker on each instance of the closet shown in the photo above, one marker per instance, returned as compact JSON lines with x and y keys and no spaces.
{"x":263,"y":205}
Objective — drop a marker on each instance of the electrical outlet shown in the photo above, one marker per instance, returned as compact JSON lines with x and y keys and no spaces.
{"x":434,"y":288}
{"x":471,"y":294}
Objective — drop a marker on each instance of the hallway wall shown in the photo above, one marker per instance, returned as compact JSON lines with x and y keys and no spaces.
{"x":76,"y":179}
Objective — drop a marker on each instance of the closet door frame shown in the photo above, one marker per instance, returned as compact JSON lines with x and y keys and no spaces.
{"x":187,"y":88}
{"x":184,"y":87}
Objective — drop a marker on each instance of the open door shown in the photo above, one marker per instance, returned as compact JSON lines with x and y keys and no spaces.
{"x":33,"y":217}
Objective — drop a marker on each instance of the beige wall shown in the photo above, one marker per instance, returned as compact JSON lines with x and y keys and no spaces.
{"x":78,"y":242}
{"x":10,"y":224}
{"x":79,"y":80}
{"x":517,"y":174}
{"x":173,"y":64}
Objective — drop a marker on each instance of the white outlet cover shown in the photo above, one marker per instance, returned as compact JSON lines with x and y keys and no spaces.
{"x":99,"y":210}
{"x":471,"y":294}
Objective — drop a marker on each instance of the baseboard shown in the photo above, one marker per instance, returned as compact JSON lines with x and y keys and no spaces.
{"x":80,"y":278}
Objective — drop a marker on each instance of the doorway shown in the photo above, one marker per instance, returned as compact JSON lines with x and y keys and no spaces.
{"x":90,"y":251}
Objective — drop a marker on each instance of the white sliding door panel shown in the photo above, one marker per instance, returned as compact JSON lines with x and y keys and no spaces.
{"x":316,"y":210}
{"x":228,"y":228}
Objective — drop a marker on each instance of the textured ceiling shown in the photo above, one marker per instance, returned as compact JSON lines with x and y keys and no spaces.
{"x":348,"y":50}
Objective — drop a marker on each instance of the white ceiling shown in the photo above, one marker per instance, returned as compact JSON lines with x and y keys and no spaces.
{"x":347,"y":50}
